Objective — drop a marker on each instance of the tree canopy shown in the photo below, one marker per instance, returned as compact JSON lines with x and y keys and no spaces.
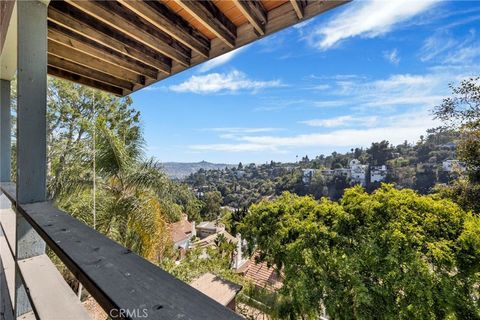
{"x":392,"y":254}
{"x":96,"y":139}
{"x":461,"y":112}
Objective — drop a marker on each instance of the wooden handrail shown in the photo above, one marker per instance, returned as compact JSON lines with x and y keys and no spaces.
{"x":126,"y":285}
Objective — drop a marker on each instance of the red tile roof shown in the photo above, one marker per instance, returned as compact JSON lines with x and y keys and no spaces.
{"x":261,"y":275}
{"x":180,"y":230}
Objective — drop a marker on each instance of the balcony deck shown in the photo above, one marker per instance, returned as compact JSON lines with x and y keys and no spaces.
{"x":116,"y":277}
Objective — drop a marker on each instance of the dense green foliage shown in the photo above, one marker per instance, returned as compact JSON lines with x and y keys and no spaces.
{"x":392,"y":254}
{"x":416,"y":166}
{"x":461,"y":112}
{"x":198,"y":262}
{"x":134,"y":200}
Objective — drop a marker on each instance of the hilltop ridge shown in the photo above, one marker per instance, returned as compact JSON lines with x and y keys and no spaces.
{"x":180,"y":170}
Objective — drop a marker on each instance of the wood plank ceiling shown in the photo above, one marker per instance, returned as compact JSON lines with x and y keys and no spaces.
{"x":122,"y":46}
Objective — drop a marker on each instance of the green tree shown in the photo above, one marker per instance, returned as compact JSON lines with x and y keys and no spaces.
{"x":379,"y":153}
{"x":71,"y":113}
{"x":134,"y":200}
{"x":461,"y":112}
{"x":392,"y":254}
{"x":212,"y":202}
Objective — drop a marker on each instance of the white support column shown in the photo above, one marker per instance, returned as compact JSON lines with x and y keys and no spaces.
{"x":31,"y":129}
{"x":5,"y":131}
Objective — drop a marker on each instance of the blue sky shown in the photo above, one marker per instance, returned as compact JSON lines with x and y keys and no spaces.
{"x":363,"y":72}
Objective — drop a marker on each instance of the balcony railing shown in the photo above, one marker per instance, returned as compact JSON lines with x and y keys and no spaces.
{"x":124,"y":284}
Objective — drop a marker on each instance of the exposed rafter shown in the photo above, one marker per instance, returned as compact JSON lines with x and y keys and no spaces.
{"x":86,"y":72}
{"x":71,"y":54}
{"x":254,"y":12}
{"x":67,"y":75}
{"x":69,"y":38}
{"x":71,"y":18}
{"x":124,"y":45}
{"x":212,"y":18}
{"x":160,"y":19}
{"x":116,"y":20}
{"x":298,"y":6}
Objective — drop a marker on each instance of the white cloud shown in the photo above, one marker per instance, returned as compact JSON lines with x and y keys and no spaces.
{"x":373,"y":113}
{"x":303,"y":24}
{"x":467,"y":54}
{"x":241,"y":130}
{"x":227,"y":147}
{"x":447,"y":49}
{"x":397,"y":91}
{"x":395,"y":128}
{"x":236,"y":132}
{"x":329,"y":103}
{"x":321,"y":87}
{"x":223,"y":82}
{"x":369,"y":18}
{"x":220,"y":60}
{"x":392,"y":56}
{"x":435,"y":45}
{"x":342,"y":121}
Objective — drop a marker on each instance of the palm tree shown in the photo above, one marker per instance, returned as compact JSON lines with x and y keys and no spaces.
{"x":131,"y":210}
{"x":126,"y":197}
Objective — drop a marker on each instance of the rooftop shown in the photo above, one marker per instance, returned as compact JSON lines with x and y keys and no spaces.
{"x":261,"y":274}
{"x":220,"y":290}
{"x":181,"y":229}
{"x":210,"y":240}
{"x":208,"y":225}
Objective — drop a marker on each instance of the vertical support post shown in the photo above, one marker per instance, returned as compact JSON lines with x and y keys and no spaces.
{"x":5,"y":138}
{"x":31,"y":131}
{"x":5,"y":131}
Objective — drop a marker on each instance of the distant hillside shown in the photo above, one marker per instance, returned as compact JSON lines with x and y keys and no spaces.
{"x":180,"y":170}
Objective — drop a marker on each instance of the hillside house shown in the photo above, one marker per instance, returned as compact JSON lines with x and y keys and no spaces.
{"x":211,"y":240}
{"x":328,"y":172}
{"x":182,"y":232}
{"x":378,"y":173}
{"x":453,"y":165}
{"x":308,"y":175}
{"x":207,"y":228}
{"x":358,"y":172}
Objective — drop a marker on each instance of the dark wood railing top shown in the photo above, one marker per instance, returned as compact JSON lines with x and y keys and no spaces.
{"x":118,"y":279}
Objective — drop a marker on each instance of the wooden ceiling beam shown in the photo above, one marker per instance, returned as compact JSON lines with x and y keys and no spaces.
{"x":299,"y":6}
{"x":279,"y":18}
{"x":83,"y":71}
{"x":254,"y":12}
{"x":69,"y":53}
{"x":212,"y":18}
{"x":76,"y":41}
{"x":119,"y":22}
{"x":160,"y":18}
{"x":59,"y":73}
{"x":64,"y":15}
